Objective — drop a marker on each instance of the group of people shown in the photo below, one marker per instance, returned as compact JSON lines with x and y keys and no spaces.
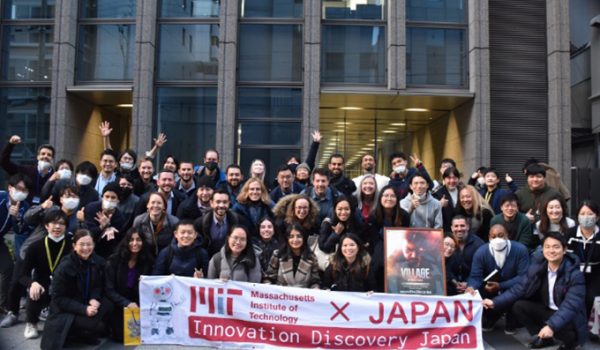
{"x":83,"y":237}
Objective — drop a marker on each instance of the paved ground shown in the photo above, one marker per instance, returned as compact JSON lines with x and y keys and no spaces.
{"x":12,"y":339}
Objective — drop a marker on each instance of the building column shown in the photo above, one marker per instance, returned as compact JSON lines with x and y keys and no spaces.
{"x":396,"y":44}
{"x":143,"y":76}
{"x":311,"y":92}
{"x":595,"y":77}
{"x":476,"y":130}
{"x":559,"y":88}
{"x":63,"y":75}
{"x":226,"y":96}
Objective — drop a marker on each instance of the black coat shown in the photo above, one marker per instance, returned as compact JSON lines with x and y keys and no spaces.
{"x":116,"y":280}
{"x":104,"y":248}
{"x":69,"y":297}
{"x":203,"y":225}
{"x":343,"y":280}
{"x":188,"y":209}
{"x":177,"y":198}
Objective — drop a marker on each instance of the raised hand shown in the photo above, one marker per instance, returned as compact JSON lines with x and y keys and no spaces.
{"x":160,"y":140}
{"x":105,"y":129}
{"x":415,"y":159}
{"x":15,"y":139}
{"x":316,"y":136}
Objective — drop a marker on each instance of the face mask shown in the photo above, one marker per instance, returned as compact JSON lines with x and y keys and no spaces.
{"x":481,"y":181}
{"x":83,"y":179}
{"x":126,"y":166}
{"x":70,"y":203}
{"x":56,"y":239}
{"x":43,"y":165}
{"x":18,"y":196}
{"x":108,"y":204}
{"x":498,"y":244}
{"x":126,"y":192}
{"x":400,"y":169}
{"x":587,"y":221}
{"x":64,"y":173}
{"x":211,"y":165}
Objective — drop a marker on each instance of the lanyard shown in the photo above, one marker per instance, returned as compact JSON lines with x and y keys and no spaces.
{"x":488,"y":196}
{"x":50,"y":263}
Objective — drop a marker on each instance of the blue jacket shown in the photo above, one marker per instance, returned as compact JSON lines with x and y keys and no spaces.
{"x":402,"y":185}
{"x":276,"y":194}
{"x":465,"y":257}
{"x":181,"y":261}
{"x":569,"y":293}
{"x":514,"y":268}
{"x":10,"y":223}
{"x":497,"y":195}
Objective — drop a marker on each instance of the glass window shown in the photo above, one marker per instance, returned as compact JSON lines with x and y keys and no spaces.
{"x":188,"y":52}
{"x":271,"y":8}
{"x":273,"y":158}
{"x":269,"y":133}
{"x":436,"y":56}
{"x":353,"y":54}
{"x":188,"y":116}
{"x":27,"y":53}
{"x":25,"y":112}
{"x":436,"y":10}
{"x":269,"y":103}
{"x":189,"y":8}
{"x":107,"y":8}
{"x":270,"y":52}
{"x":105,"y":52}
{"x":354,"y":9}
{"x":23,"y":9}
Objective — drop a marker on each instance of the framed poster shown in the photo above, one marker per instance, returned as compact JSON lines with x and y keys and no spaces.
{"x":414,"y":261}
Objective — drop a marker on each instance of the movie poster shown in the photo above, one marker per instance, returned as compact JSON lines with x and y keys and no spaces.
{"x":414,"y":262}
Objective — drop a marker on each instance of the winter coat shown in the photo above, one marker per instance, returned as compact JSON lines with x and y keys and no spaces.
{"x":104,"y":248}
{"x":116,"y":280}
{"x":568,"y":293}
{"x":181,"y":261}
{"x":465,"y":257}
{"x":203,"y":226}
{"x":155,"y":240}
{"x":479,"y":225}
{"x":343,"y":280}
{"x":515,"y":266}
{"x":264,"y":251}
{"x":497,"y":195}
{"x":402,"y":184}
{"x":281,"y":272}
{"x":447,"y":211}
{"x":523,"y":230}
{"x":535,"y":200}
{"x":250,"y":214}
{"x":243,"y":270}
{"x":277,"y":193}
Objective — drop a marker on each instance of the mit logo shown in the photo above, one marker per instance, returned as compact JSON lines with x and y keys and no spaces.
{"x":207,"y":296}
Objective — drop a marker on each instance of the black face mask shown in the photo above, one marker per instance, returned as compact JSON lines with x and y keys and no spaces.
{"x":211,"y":165}
{"x":126,"y":192}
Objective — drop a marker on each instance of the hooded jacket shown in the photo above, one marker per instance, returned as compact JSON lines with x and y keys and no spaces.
{"x":428,"y":214}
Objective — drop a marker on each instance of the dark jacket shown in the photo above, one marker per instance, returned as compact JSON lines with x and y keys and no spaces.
{"x":104,"y":248}
{"x":402,"y":184}
{"x":35,"y":267}
{"x":535,"y":200}
{"x":465,"y":257}
{"x":514,"y":268}
{"x":181,"y":261}
{"x":87,"y":194}
{"x":264,"y":251}
{"x":520,"y":230}
{"x":116,"y":280}
{"x":176,"y":199}
{"x":447,"y":211}
{"x":328,"y":239}
{"x":281,"y":272}
{"x":344,"y":185}
{"x":189,"y":210}
{"x":71,"y":295}
{"x":497,"y":195}
{"x":484,"y":218}
{"x":31,"y":171}
{"x":588,"y":253}
{"x":569,"y":293}
{"x":155,"y":240}
{"x":203,"y":226}
{"x":250,"y":214}
{"x":9,"y":223}
{"x":277,"y":193}
{"x":344,"y":281}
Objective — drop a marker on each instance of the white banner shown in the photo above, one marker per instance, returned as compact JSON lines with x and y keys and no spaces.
{"x":189,"y":311}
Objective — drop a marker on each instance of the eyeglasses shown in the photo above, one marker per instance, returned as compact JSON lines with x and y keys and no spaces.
{"x":85,"y":245}
{"x":238,"y":239}
{"x":449,"y":245}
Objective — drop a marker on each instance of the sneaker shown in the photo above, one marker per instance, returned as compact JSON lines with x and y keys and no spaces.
{"x":487,"y":326}
{"x":9,"y":320}
{"x":509,"y":329}
{"x":31,"y":331}
{"x":43,"y":314}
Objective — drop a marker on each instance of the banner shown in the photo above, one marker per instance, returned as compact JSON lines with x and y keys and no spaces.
{"x":202,"y":312}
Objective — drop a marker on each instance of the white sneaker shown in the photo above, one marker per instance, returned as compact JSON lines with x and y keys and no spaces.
{"x":9,"y":320}
{"x":31,"y":331}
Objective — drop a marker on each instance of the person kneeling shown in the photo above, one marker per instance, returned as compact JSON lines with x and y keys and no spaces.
{"x":550,"y":299}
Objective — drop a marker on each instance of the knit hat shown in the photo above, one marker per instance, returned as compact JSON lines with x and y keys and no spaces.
{"x":303,"y":165}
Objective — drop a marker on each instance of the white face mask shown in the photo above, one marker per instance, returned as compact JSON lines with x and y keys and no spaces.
{"x":400,"y":169}
{"x":18,"y":196}
{"x":481,"y":181}
{"x":43,"y":165}
{"x":83,"y":179}
{"x":108,"y":204}
{"x":587,"y":221}
{"x":70,"y":203}
{"x":64,"y":173}
{"x":126,"y":166}
{"x":56,"y":239}
{"x":498,"y":244}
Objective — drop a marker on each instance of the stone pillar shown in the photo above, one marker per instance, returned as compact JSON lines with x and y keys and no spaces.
{"x":559,"y":88}
{"x":396,"y":44}
{"x":476,"y":130}
{"x":63,"y":75}
{"x":143,"y":76}
{"x":312,"y":72}
{"x":226,"y":96}
{"x":595,"y":77}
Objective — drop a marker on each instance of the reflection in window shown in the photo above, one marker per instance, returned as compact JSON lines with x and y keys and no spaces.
{"x":354,"y":9}
{"x":27,"y":53}
{"x":269,"y":133}
{"x":23,"y":9}
{"x":353,"y":54}
{"x":107,"y":8}
{"x":436,"y":57}
{"x":269,"y":103}
{"x":436,"y":10}
{"x":270,"y":52}
{"x":188,"y":117}
{"x":188,"y":52}
{"x":105,"y":52}
{"x":25,"y":112}
{"x":189,"y":8}
{"x":271,"y":8}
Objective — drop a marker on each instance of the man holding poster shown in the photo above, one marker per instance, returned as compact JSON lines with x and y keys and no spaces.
{"x":414,"y":262}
